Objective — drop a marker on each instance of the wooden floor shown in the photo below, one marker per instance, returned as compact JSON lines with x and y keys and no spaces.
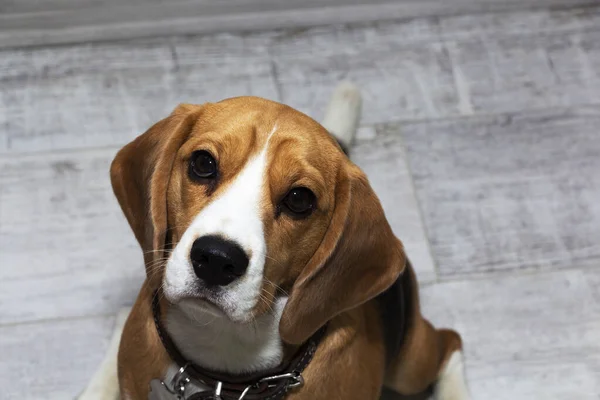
{"x":39,"y":23}
{"x":481,"y":134}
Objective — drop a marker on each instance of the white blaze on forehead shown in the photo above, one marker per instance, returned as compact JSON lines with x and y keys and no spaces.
{"x":235,"y":215}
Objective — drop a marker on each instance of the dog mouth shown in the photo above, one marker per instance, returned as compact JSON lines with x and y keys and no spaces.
{"x":193,"y":306}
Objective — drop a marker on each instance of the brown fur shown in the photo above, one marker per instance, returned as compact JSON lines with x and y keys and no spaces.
{"x":332,"y":264}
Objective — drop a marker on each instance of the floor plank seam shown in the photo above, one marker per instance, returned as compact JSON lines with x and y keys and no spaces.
{"x":488,"y":115}
{"x":60,"y":319}
{"x":499,"y":274}
{"x":324,"y":29}
{"x":581,"y":7}
{"x":378,"y":125}
{"x":436,"y":270}
{"x":389,"y":123}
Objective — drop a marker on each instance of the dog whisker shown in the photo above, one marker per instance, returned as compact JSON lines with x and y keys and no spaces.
{"x":277,"y":287}
{"x":153,"y":263}
{"x":268,"y":302}
{"x":168,"y":251}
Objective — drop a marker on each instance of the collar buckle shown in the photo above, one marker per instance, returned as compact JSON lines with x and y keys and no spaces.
{"x":218,"y":389}
{"x":179,"y":382}
{"x":295,"y":377}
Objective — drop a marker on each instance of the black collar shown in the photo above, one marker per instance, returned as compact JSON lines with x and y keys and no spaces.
{"x":272,"y":384}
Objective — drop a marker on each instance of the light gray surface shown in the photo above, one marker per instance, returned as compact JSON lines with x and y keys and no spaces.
{"x":389,"y":176}
{"x":429,"y":69}
{"x":527,"y":336}
{"x":480,"y":136}
{"x":66,"y":249}
{"x":34,"y":23}
{"x":106,"y":94}
{"x":51,"y":360}
{"x":517,"y":191}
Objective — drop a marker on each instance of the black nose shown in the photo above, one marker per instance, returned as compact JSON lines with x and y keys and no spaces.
{"x":218,"y":261}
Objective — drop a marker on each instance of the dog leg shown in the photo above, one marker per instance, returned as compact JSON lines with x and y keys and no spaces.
{"x":104,"y":385}
{"x":431,"y":357}
{"x":428,"y":357}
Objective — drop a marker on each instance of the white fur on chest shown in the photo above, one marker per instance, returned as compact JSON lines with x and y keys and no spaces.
{"x":215,"y":342}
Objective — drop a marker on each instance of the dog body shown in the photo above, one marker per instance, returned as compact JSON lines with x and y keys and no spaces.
{"x":258,"y":232}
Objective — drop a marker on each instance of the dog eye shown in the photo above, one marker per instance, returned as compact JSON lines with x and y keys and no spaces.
{"x":202,"y":165}
{"x":299,"y":201}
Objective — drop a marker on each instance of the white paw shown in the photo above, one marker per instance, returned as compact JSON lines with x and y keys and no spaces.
{"x":451,"y":384}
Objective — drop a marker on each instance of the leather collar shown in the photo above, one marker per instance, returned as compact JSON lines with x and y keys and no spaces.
{"x":272,"y":384}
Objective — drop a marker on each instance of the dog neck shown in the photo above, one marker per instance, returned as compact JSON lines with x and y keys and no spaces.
{"x":215,"y":342}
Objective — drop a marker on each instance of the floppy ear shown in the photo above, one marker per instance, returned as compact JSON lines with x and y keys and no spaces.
{"x":358,"y":259}
{"x":140,"y":176}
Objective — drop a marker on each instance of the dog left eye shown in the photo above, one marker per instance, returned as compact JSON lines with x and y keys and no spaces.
{"x":299,"y":201}
{"x":202,"y":165}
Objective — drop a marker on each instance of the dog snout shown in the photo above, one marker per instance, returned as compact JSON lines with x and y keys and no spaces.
{"x":217,"y":261}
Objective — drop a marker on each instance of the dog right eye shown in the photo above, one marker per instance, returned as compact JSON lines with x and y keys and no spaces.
{"x":299,"y":202}
{"x":202,"y":166}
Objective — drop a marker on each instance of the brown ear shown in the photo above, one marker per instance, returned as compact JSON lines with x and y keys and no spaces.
{"x":140,"y":176}
{"x":358,"y":259}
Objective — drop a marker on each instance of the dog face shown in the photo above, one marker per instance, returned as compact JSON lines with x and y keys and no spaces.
{"x":248,"y":203}
{"x":242,"y":202}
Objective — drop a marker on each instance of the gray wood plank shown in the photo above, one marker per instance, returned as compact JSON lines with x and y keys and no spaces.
{"x":508,"y":192}
{"x":385,"y":164}
{"x":530,"y":336}
{"x":489,"y":25}
{"x":436,"y":69}
{"x":507,"y":74}
{"x":105,"y":95}
{"x":51,"y":360}
{"x":593,"y":278}
{"x":27,"y":23}
{"x":65,"y":248}
{"x":33,"y":6}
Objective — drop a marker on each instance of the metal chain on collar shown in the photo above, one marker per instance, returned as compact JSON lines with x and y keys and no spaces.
{"x":180,"y":382}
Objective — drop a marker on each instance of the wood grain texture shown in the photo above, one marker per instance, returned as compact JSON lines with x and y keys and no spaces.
{"x":384,"y":162}
{"x":105,"y":94}
{"x":51,"y":360}
{"x":65,"y":248}
{"x":508,"y":192}
{"x":31,"y":23}
{"x":428,"y":69}
{"x":593,"y":278}
{"x":525,"y":336}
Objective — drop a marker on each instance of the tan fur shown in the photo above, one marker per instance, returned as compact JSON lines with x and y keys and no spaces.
{"x":142,"y":356}
{"x":332,"y":264}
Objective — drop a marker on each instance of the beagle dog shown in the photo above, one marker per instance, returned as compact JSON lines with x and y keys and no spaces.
{"x":271,"y":270}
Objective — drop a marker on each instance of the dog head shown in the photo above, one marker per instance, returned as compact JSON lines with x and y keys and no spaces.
{"x":238,"y":203}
